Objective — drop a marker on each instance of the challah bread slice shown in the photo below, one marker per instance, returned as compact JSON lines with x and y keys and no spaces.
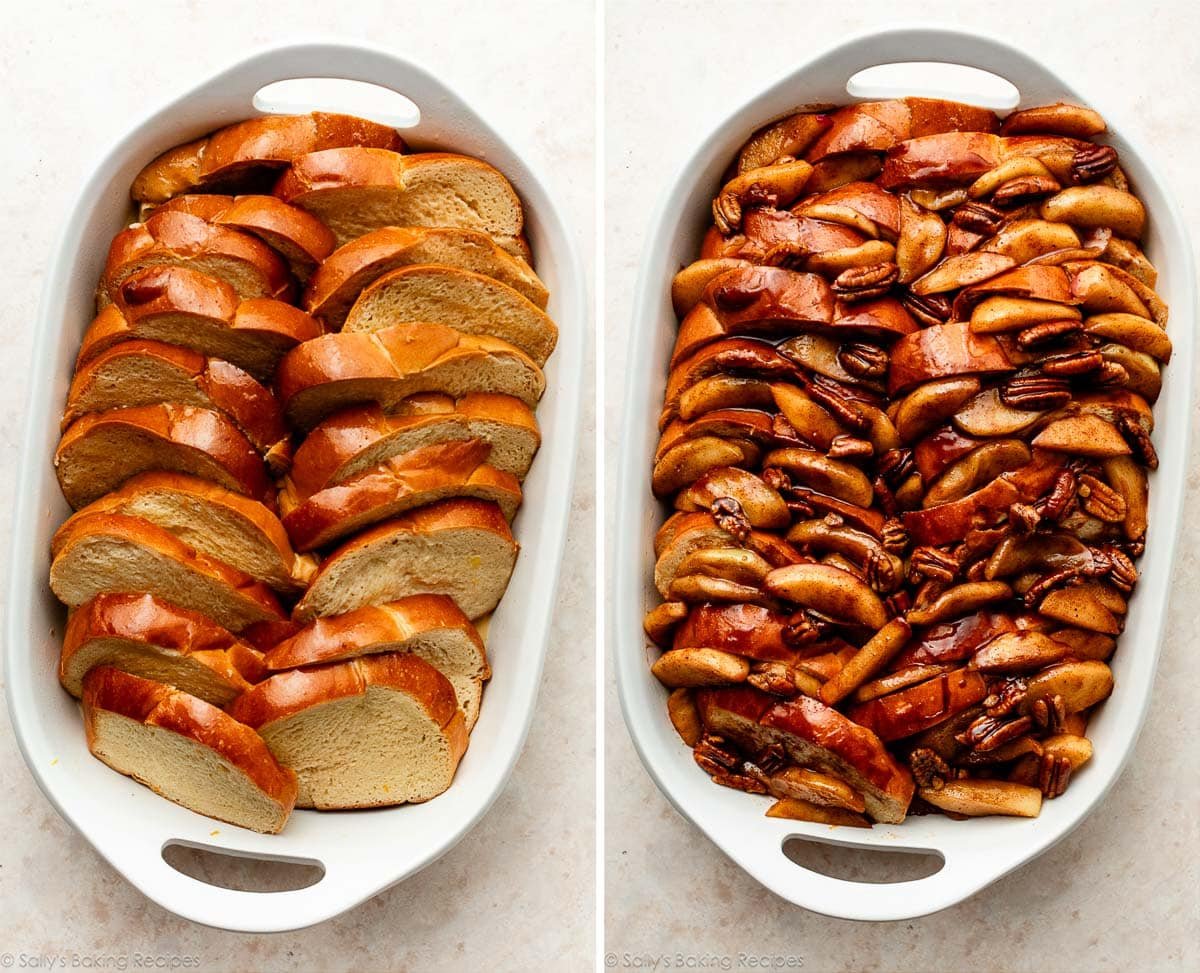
{"x":151,"y":638}
{"x":369,"y":732}
{"x":244,"y":262}
{"x":340,"y":370}
{"x":226,"y":525}
{"x":295,"y":234}
{"x":429,"y":626}
{"x":350,"y":269}
{"x":249,"y":154}
{"x":459,"y":548}
{"x":186,"y":750}
{"x":111,"y":553}
{"x":471,"y":303}
{"x":355,"y":440}
{"x":101,"y":450}
{"x":142,"y":372}
{"x":414,"y":479}
{"x":356,"y":190}
{"x":184,"y":307}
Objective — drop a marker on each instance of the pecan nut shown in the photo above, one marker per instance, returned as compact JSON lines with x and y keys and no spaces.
{"x":1005,"y":697}
{"x":929,"y":309}
{"x":715,"y":755}
{"x":1054,"y":773}
{"x":1036,"y":393}
{"x":1049,"y":713}
{"x":933,"y":564}
{"x":1057,"y":503}
{"x":978,"y":218}
{"x":1092,"y":162}
{"x":850,"y":447}
{"x":730,"y":516}
{"x":1047,"y":331}
{"x":928,"y":769}
{"x":865,"y":283}
{"x":773,"y":678}
{"x":1072,"y":363}
{"x":895,"y":535}
{"x":863,"y":360}
{"x":1138,"y":439}
{"x":1100,"y":500}
{"x":1024,"y":189}
{"x":989,"y":732}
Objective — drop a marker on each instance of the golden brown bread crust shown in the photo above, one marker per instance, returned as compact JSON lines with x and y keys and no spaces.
{"x":909,"y":711}
{"x":334,"y":443}
{"x":194,"y":490}
{"x":166,"y":291}
{"x":189,"y":440}
{"x":359,"y":167}
{"x":444,"y":516}
{"x":147,"y":620}
{"x":298,"y":236}
{"x":880,"y":125}
{"x":287,"y":693}
{"x":248,"y":148}
{"x":413,"y":479}
{"x":748,"y":630}
{"x":408,"y":357}
{"x":347,"y":271}
{"x":179,"y":238}
{"x":942,"y":351}
{"x":356,"y":633}
{"x":155,"y":538}
{"x":219,"y":385}
{"x":154,"y":704}
{"x":844,"y":745}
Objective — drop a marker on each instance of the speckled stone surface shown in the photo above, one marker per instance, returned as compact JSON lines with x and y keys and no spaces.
{"x":1120,"y":893}
{"x":515,"y":894}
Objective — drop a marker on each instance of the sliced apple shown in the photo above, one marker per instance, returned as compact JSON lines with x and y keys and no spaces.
{"x":687,"y":287}
{"x":762,"y":505}
{"x":961,"y":271}
{"x":811,"y":420}
{"x":1023,"y":240}
{"x":921,"y":240}
{"x":999,"y":314}
{"x":1097,"y":205}
{"x":1058,"y":119}
{"x":1083,"y":435}
{"x":860,"y":205}
{"x":930,"y":404}
{"x":723,"y":392}
{"x":1018,"y":167}
{"x":979,"y":466}
{"x":789,"y":137}
{"x":1081,"y":609}
{"x":831,"y":476}
{"x":987,"y":416}
{"x":981,"y":798}
{"x":838,"y":170}
{"x":828,"y":590}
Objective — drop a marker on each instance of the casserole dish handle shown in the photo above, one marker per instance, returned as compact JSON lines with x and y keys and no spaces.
{"x":908,"y":44}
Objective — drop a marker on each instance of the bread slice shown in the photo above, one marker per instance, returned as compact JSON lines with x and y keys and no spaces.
{"x":472,"y":303}
{"x":151,"y":638}
{"x":340,"y":370}
{"x":355,"y":440}
{"x":296,"y":235}
{"x":459,"y":548}
{"x":813,"y":735}
{"x":429,"y":626}
{"x":141,"y":372}
{"x":226,"y":525}
{"x":413,"y":479}
{"x":249,"y":154}
{"x":184,"y":307}
{"x":101,"y":450}
{"x":356,"y":190}
{"x":349,"y":270}
{"x":244,"y":262}
{"x":185,"y":749}
{"x":111,"y":553}
{"x":369,"y":732}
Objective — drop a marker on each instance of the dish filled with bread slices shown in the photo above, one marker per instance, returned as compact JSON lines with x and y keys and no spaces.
{"x":907,"y":424}
{"x":295,"y":433}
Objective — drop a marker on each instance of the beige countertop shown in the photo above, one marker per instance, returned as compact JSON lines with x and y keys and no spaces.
{"x":1120,"y":892}
{"x":77,"y":75}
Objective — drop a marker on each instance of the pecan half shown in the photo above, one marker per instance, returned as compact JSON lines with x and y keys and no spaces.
{"x":773,"y":678}
{"x":1054,"y":774}
{"x":989,"y":732}
{"x":1073,"y":363}
{"x":730,"y":516}
{"x":1057,"y":503}
{"x":1048,"y":582}
{"x":850,"y":447}
{"x":1005,"y":697}
{"x":835,"y":397}
{"x":896,"y":465}
{"x":1025,"y":188}
{"x":897,"y":604}
{"x":1100,"y":500}
{"x":1049,"y":713}
{"x":1036,"y":393}
{"x":770,"y":760}
{"x":1111,"y":373}
{"x":933,"y":564}
{"x":1047,"y":331}
{"x":1138,"y":439}
{"x":1024,"y":518}
{"x":864,"y":360}
{"x":978,"y":218}
{"x":1115,"y":564}
{"x":895,"y":535}
{"x":1091,"y":162}
{"x":929,"y":309}
{"x":800,"y":630}
{"x":715,"y":755}
{"x":740,"y":782}
{"x":928,"y":769}
{"x":864,"y":283}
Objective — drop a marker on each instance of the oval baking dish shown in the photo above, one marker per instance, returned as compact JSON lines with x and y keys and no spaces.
{"x":976,"y":852}
{"x":360,"y":852}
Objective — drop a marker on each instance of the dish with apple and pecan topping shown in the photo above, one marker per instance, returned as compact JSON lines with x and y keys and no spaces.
{"x":905,"y":436}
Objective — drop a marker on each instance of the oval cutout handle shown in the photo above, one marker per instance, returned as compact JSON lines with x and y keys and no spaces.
{"x":934,"y":79}
{"x":908,"y":45}
{"x":345,"y":96}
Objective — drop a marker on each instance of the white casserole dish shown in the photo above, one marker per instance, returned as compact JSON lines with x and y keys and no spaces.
{"x":361,"y":852}
{"x":975,"y":852}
